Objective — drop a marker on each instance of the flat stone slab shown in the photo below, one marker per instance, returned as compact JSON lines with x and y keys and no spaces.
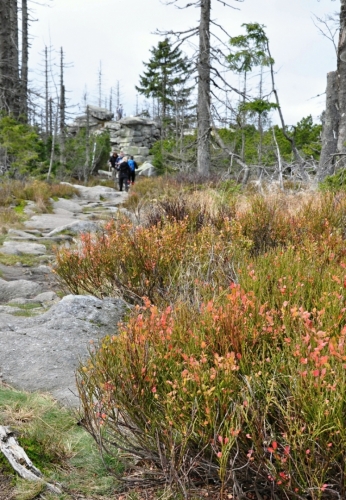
{"x":22,"y":234}
{"x":69,"y":205}
{"x":76,"y":227}
{"x":48,"y":222}
{"x":22,"y":247}
{"x":46,"y":298}
{"x":42,"y":353}
{"x":20,"y":288}
{"x":99,"y":193}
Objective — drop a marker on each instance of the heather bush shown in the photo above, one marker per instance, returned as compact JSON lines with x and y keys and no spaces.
{"x":161,"y":262}
{"x":236,"y":393}
{"x":233,"y":373}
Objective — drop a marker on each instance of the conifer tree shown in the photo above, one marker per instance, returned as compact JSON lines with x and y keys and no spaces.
{"x":165,"y":78}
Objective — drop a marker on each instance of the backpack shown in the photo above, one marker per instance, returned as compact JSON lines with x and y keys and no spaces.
{"x":132,"y":165}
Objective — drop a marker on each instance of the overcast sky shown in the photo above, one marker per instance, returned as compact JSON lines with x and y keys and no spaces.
{"x":119,"y":33}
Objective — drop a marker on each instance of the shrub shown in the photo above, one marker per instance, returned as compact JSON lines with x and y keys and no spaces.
{"x":234,"y":393}
{"x":234,"y":371}
{"x":334,"y":183}
{"x":15,"y":192}
{"x":161,"y":262}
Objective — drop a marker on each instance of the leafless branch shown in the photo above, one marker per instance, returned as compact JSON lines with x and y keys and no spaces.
{"x":328,"y":32}
{"x":221,"y":28}
{"x":226,"y":83}
{"x":225,"y":4}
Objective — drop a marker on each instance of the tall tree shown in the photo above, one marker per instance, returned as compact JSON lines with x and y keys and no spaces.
{"x":9,"y":79}
{"x":13,"y":73}
{"x":167,"y":72}
{"x":24,"y":73}
{"x":203,"y":101}
{"x":207,"y":72}
{"x":334,"y":127}
{"x":62,"y":110}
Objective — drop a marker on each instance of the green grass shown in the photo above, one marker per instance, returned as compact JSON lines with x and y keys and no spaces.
{"x":20,"y":206}
{"x":57,"y":445}
{"x":27,"y":310}
{"x":25,"y":260}
{"x":26,"y":307}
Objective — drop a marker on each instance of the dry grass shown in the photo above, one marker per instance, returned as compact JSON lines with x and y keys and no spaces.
{"x":9,"y":218}
{"x":59,"y":447}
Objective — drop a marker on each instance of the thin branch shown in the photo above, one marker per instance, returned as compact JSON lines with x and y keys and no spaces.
{"x":226,"y":83}
{"x":225,"y":4}
{"x":221,"y":28}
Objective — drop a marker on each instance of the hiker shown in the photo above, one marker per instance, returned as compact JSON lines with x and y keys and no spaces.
{"x":113,"y":163}
{"x":124,"y":174}
{"x":120,"y":112}
{"x":133,"y":166}
{"x":120,"y":158}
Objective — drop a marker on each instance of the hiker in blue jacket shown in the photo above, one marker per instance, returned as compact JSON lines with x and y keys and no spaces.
{"x":133,"y":166}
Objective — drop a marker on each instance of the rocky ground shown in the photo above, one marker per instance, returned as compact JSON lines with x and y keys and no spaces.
{"x":44,"y":334}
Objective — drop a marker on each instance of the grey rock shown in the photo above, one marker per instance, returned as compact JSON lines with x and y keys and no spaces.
{"x":100,"y":113}
{"x":22,"y":247}
{"x":70,"y":206}
{"x":112,"y":126}
{"x":96,"y":193}
{"x":76,"y":227}
{"x":48,"y":222}
{"x":20,"y":288}
{"x":143,"y":151}
{"x":22,"y":234}
{"x":10,"y":251}
{"x":147,"y":170}
{"x":46,"y":297}
{"x":45,"y":350}
{"x":136,"y":120}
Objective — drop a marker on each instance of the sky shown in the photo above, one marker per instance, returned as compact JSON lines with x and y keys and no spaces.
{"x":118,"y":34}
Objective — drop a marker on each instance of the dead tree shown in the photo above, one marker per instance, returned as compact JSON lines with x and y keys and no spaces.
{"x":9,"y":71}
{"x":334,"y":129}
{"x":207,"y":73}
{"x":13,"y":69}
{"x":62,"y":106}
{"x":203,"y":101}
{"x":24,"y":73}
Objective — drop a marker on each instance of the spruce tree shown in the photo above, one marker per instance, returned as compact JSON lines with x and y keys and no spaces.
{"x":165,"y":78}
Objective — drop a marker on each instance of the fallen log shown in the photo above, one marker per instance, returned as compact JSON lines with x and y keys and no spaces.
{"x":20,"y":461}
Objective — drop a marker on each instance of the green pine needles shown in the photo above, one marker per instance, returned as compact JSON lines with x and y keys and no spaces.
{"x":166,"y":78}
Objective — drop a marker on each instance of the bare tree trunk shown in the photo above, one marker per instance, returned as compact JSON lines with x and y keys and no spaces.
{"x":46,"y":90}
{"x":55,"y":132}
{"x":290,"y":139}
{"x":87,"y":147}
{"x":279,"y":160}
{"x":334,"y":129}
{"x":50,"y":116}
{"x":341,"y":147}
{"x":14,"y":63}
{"x":203,"y":102}
{"x":8,"y":57}
{"x":100,"y":84}
{"x":25,"y":60}
{"x":330,"y":128}
{"x":62,"y":111}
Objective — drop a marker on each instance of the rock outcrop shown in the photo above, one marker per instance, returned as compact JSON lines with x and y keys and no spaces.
{"x":134,"y":135}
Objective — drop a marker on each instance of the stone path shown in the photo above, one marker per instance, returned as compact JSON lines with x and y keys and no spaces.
{"x":43,"y":336}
